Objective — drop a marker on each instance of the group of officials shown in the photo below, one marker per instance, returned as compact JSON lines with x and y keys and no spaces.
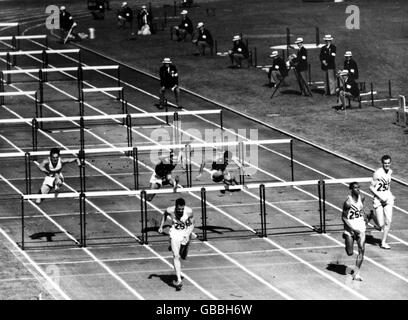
{"x":342,"y":83}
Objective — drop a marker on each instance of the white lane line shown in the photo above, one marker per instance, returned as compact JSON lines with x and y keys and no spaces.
{"x":50,"y":281}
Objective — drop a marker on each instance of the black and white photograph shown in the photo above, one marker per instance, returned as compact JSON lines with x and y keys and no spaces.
{"x":205,"y":158}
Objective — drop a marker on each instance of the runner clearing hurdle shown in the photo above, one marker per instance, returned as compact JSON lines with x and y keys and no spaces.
{"x":52,"y":168}
{"x":219,"y":172}
{"x":162,"y":173}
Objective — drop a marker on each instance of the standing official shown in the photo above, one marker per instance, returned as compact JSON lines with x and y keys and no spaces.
{"x":328,"y":64}
{"x":301,"y":66}
{"x":169,"y":80}
{"x":203,"y":40}
{"x":350,"y":65}
{"x":238,"y":52}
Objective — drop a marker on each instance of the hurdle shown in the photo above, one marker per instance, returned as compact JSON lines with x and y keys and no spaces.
{"x":15,"y":40}
{"x":385,"y":97}
{"x":42,"y":75}
{"x":320,"y":227}
{"x":11,"y":24}
{"x":134,"y":152}
{"x":38,"y":109}
{"x":119,"y":90}
{"x":44,"y":55}
{"x":37,"y":123}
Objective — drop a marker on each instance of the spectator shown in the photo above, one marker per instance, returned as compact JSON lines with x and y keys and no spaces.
{"x":169,"y":80}
{"x":125,"y":15}
{"x":348,"y":90}
{"x":301,"y":65}
{"x":66,"y":23}
{"x":144,"y":21}
{"x":238,"y":52}
{"x":278,"y":71}
{"x":328,"y":64}
{"x":203,"y":40}
{"x":350,"y":65}
{"x":98,"y":11}
{"x":185,"y":27}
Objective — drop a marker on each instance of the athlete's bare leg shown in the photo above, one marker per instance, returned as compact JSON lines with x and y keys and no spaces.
{"x":43,"y":190}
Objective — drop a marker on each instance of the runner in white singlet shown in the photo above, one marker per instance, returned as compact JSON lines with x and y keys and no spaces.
{"x":354,"y":226}
{"x":52,"y":167}
{"x":181,"y":231}
{"x":383,"y":198}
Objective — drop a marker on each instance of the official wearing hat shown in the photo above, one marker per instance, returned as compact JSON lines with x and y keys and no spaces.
{"x":169,"y":79}
{"x":185,"y":27}
{"x":351,"y":65}
{"x":238,"y":52}
{"x":348,"y":88}
{"x":278,"y":71}
{"x":204,"y":39}
{"x":328,"y":64}
{"x":301,"y":65}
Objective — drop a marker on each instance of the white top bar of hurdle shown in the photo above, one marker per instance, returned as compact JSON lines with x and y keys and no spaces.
{"x":105,"y":117}
{"x":62,"y":69}
{"x":348,"y":180}
{"x":17,"y":93}
{"x":191,"y":189}
{"x":20,"y":71}
{"x":148,"y":148}
{"x":9,"y":24}
{"x":21,"y":52}
{"x":102,"y":89}
{"x":42,"y":36}
{"x":111,"y":67}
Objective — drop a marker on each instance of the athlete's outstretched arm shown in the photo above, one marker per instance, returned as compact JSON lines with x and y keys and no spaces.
{"x":70,"y":160}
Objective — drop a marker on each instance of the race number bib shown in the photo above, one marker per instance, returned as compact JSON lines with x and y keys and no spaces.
{"x":354,"y":214}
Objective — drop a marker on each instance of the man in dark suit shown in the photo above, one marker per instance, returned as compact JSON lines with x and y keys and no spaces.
{"x":185,"y":27}
{"x":204,"y":39}
{"x":98,"y":11}
{"x":350,"y":65}
{"x":66,"y":23}
{"x":125,"y":15}
{"x":301,"y":66}
{"x":238,"y":52}
{"x":169,"y":80}
{"x":348,"y":88}
{"x":278,"y":71}
{"x":328,"y":64}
